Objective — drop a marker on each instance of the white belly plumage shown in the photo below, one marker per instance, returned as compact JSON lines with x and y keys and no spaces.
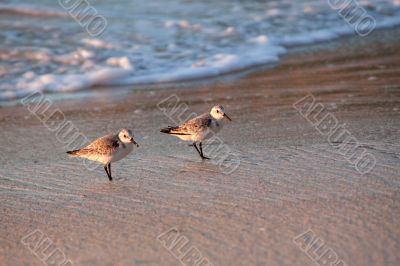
{"x":122,"y":151}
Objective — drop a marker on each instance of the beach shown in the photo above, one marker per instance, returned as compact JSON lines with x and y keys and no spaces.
{"x":287,"y":179}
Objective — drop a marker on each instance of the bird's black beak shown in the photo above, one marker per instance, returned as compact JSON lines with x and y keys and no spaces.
{"x":227,"y":117}
{"x":134,"y":142}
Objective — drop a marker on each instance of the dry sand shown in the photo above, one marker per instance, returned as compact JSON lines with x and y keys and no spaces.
{"x":290,"y":179}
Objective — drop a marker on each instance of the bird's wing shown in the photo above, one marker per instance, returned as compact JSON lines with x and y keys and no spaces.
{"x":106,"y":145}
{"x":194,"y":125}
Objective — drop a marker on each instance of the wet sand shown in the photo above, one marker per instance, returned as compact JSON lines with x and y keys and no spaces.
{"x":290,"y":179}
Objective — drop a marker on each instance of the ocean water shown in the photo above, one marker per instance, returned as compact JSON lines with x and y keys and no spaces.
{"x":47,"y":47}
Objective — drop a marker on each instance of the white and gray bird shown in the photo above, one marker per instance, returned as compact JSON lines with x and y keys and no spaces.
{"x":108,"y":149}
{"x":200,"y":128}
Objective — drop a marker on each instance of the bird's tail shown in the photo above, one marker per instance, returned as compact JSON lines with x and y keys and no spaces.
{"x":73,"y":153}
{"x":177,"y":131}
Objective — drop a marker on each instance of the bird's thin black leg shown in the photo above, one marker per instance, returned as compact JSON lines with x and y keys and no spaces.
{"x":109,"y":170}
{"x":108,"y":174}
{"x":106,"y":169}
{"x":197,"y":149}
{"x":201,"y":150}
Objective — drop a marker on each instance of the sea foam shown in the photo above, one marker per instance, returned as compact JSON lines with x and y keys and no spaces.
{"x":45,"y":50}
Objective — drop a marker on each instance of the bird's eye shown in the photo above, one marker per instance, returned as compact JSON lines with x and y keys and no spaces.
{"x":217,"y":111}
{"x":124,"y":136}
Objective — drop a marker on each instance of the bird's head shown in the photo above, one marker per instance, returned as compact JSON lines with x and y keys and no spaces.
{"x":126,"y":136}
{"x":218,"y":112}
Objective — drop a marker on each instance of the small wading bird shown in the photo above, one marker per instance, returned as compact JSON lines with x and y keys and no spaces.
{"x":198,"y":128}
{"x":108,"y":149}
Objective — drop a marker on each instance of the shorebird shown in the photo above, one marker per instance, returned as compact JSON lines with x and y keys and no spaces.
{"x":108,"y":149}
{"x":199,"y":128}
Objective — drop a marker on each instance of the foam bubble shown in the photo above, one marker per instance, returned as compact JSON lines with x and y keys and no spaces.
{"x":122,"y":62}
{"x":262,"y":39}
{"x":97,"y":43}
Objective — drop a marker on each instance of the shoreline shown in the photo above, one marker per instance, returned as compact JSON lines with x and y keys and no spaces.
{"x":386,"y":34}
{"x":290,"y":180}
